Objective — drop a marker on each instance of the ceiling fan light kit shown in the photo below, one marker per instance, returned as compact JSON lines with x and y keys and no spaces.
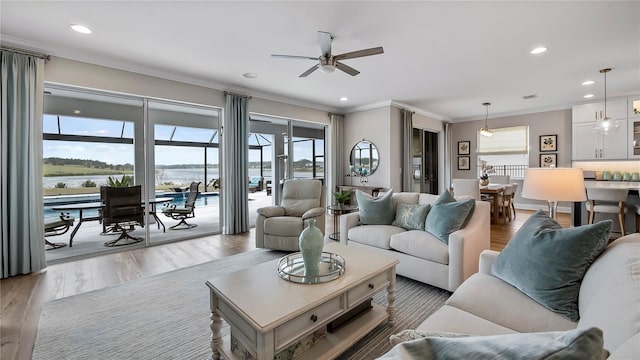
{"x":605,"y":125}
{"x":484,"y":131}
{"x":328,"y":63}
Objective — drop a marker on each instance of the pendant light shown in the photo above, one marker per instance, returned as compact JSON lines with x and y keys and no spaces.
{"x":485,"y":130}
{"x":605,"y":125}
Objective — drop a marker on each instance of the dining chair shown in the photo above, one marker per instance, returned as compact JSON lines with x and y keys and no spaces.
{"x":607,"y":201}
{"x":499,"y":179}
{"x":513,"y":198}
{"x":504,"y":202}
{"x":466,"y":187}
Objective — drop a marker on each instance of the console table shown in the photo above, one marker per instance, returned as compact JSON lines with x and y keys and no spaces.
{"x":270,"y":316}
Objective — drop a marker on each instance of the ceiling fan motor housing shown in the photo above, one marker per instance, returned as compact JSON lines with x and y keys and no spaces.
{"x":327,"y":65}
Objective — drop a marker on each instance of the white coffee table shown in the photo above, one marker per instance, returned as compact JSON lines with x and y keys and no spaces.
{"x":268,"y":315}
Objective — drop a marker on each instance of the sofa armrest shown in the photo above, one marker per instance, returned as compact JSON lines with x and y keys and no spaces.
{"x":487,"y":257}
{"x":313,"y":213}
{"x":466,"y":244}
{"x":271,"y":211}
{"x":348,"y":221}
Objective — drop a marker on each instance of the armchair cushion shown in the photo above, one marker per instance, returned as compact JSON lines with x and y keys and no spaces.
{"x":271,"y":211}
{"x":315,"y":212}
{"x":547,"y":262}
{"x":284,"y":226}
{"x":375,"y":211}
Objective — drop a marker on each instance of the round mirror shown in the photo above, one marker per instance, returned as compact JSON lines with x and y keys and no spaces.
{"x":364,"y":158}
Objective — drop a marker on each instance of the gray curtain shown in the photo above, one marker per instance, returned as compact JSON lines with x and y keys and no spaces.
{"x":235,"y":163}
{"x":336,"y":154}
{"x":407,"y":150}
{"x":21,"y":217}
{"x":448,"y":158}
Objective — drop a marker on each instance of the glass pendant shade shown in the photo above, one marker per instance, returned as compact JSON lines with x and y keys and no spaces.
{"x":605,"y":125}
{"x":484,"y":131}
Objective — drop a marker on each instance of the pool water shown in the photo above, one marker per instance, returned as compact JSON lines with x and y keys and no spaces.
{"x":178,"y":200}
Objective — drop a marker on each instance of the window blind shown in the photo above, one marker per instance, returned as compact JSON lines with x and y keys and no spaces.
{"x":509,"y":140}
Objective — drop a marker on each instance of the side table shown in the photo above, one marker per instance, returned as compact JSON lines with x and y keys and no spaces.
{"x":336,"y":211}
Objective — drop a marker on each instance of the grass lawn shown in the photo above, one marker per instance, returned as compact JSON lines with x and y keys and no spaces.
{"x":70,"y":170}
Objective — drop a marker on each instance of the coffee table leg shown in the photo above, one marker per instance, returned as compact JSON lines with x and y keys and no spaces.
{"x":391,"y":298}
{"x":216,"y":325}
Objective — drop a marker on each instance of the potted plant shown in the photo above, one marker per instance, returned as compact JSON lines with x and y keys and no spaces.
{"x":342,"y":197}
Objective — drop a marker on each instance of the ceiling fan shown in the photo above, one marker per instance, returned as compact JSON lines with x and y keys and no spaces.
{"x":328,"y":63}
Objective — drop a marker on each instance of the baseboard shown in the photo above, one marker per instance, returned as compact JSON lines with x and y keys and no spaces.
{"x":534,"y":207}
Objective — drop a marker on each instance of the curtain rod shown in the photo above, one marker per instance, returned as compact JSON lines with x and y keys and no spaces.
{"x":25,"y":52}
{"x":230,"y":93}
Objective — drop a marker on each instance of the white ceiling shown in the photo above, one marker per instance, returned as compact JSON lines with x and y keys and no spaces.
{"x":444,"y":58}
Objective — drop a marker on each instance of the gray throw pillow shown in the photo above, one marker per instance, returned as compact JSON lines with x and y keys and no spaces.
{"x":411,"y":217}
{"x":375,"y":211}
{"x":547,"y":262}
{"x":577,"y":344}
{"x":448,"y":215}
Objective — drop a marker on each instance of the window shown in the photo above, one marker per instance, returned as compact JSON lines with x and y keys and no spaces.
{"x":507,"y":151}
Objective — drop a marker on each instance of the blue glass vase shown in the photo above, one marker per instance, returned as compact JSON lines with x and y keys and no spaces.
{"x":311,"y":242}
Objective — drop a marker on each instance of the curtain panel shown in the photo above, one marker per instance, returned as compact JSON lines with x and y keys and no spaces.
{"x":235,"y":174}
{"x":407,"y":150}
{"x":448,"y":157}
{"x":21,"y":217}
{"x":336,"y":153}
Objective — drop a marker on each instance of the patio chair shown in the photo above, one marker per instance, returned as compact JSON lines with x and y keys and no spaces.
{"x":255,"y":183}
{"x":57,"y":227}
{"x":184,"y":212}
{"x":123,"y":209}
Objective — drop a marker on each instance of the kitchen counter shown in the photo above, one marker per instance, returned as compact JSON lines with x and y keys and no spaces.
{"x":631,"y":185}
{"x":580,"y":214}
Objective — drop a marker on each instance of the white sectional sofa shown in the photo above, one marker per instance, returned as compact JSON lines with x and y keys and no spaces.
{"x":422,"y":256}
{"x":609,"y":299}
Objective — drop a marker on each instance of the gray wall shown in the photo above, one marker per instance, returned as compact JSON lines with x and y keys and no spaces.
{"x":544,"y":123}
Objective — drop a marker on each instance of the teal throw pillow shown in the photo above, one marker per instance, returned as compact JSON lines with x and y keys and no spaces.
{"x":582,"y":344}
{"x":443,"y":198}
{"x":547,"y":262}
{"x":445,"y":218}
{"x":411,"y":217}
{"x":375,"y":211}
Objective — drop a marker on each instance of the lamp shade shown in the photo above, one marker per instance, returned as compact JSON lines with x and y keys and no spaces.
{"x":554,"y":184}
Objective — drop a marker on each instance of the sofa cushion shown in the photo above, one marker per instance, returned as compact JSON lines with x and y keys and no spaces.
{"x":572,"y":344}
{"x":375,"y":211}
{"x":374,"y":235}
{"x":492,"y":299}
{"x":610,"y":288}
{"x":421,"y":244}
{"x":404,"y":197}
{"x":410,"y":217}
{"x":447,"y":217}
{"x":451,"y":319}
{"x":548,"y":262}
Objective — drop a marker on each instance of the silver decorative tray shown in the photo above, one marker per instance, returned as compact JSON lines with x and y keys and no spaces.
{"x":291,"y":268}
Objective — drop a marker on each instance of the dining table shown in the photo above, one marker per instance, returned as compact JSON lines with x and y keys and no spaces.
{"x":494,"y":191}
{"x":82,"y":207}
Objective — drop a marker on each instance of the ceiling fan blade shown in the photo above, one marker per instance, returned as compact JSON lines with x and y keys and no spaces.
{"x":324,"y":38}
{"x":277,"y":56}
{"x":346,"y":68}
{"x":311,"y":69}
{"x":360,"y":53}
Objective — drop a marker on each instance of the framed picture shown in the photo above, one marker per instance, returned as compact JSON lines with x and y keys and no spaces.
{"x":464,"y":147}
{"x":548,"y":143}
{"x":548,"y":160}
{"x":464,"y":163}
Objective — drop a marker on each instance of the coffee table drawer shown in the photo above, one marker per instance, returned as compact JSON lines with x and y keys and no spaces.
{"x":308,"y":321}
{"x":367,"y":288}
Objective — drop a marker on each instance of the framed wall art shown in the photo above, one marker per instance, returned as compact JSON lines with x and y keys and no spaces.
{"x":548,"y":143}
{"x":464,"y":147}
{"x":548,"y":160}
{"x":464,"y":163}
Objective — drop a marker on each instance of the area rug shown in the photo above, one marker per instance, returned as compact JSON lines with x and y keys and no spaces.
{"x":166,"y":316}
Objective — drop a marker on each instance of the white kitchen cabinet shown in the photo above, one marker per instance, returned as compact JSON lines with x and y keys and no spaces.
{"x":616,"y":109}
{"x":633,"y":145}
{"x":589,"y":145}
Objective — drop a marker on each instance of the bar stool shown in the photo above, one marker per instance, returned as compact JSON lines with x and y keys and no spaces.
{"x":638,"y":218}
{"x":608,"y":201}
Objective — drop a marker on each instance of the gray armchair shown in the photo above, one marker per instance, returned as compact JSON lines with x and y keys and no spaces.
{"x":278,"y":227}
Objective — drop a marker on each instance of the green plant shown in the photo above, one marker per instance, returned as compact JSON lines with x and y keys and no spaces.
{"x":215,"y":183}
{"x":88,"y":183}
{"x":342,"y":196}
{"x":61,"y":185}
{"x":126,"y":181}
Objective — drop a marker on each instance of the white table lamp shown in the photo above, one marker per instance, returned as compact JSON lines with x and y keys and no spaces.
{"x":553,"y":185}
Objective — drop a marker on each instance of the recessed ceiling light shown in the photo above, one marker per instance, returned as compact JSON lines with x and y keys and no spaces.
{"x":81,"y":29}
{"x":250,"y":75}
{"x":77,"y":111}
{"x":588,"y":82}
{"x":588,"y":96}
{"x":344,"y":98}
{"x":538,"y":50}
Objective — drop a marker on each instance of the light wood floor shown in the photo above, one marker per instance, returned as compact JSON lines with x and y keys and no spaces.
{"x":21,"y":297}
